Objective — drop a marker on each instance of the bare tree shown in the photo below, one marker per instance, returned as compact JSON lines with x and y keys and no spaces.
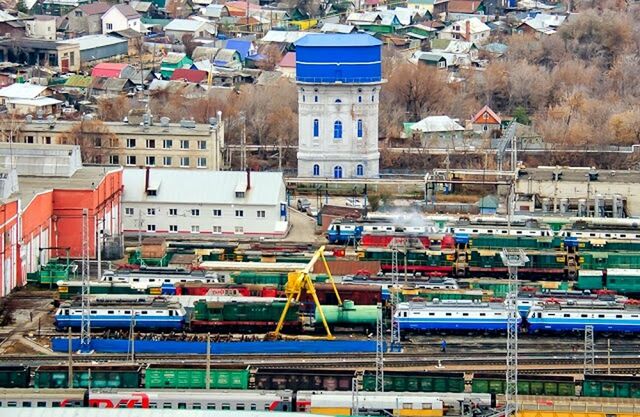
{"x":94,"y":138}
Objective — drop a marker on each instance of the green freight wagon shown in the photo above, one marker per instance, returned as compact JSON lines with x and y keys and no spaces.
{"x":349,"y":315}
{"x":527,"y":385}
{"x":247,"y":315}
{"x":278,"y":279}
{"x":416,"y":381}
{"x":623,"y":281}
{"x":195,"y":378}
{"x":589,"y":279}
{"x":14,"y":376}
{"x":93,"y":376}
{"x":612,"y":386}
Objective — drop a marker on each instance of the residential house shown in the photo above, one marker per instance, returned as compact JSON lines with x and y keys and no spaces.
{"x":137,"y":76}
{"x":433,"y":59}
{"x":437,"y":9}
{"x":245,"y":48}
{"x":215,"y":11}
{"x":218,"y":203}
{"x":172,"y":61}
{"x":57,"y":7}
{"x":438,"y":131}
{"x":55,"y":55}
{"x":41,"y":27}
{"x":26,"y":98}
{"x":488,"y":205}
{"x":463,"y":53}
{"x":84,"y":20}
{"x":204,"y":53}
{"x":228,"y":58}
{"x":541,"y":24}
{"x":145,"y":8}
{"x":421,"y":32}
{"x":177,"y":9}
{"x":79,"y":82}
{"x":120,"y":17}
{"x":284,"y":38}
{"x":465,"y":9}
{"x":486,"y":121}
{"x":422,"y":6}
{"x":287,"y":65}
{"x":13,"y":29}
{"x":102,"y":86}
{"x":109,"y":70}
{"x":134,"y":39}
{"x":377,"y":22}
{"x":472,"y":30}
{"x":98,"y":47}
{"x":189,"y":75}
{"x":178,"y":28}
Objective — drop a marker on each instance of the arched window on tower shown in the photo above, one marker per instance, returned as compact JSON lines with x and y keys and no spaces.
{"x":337,"y":130}
{"x":316,"y":128}
{"x":338,"y":100}
{"x":359,"y":170}
{"x":337,"y":172}
{"x":316,"y":170}
{"x":359,"y":128}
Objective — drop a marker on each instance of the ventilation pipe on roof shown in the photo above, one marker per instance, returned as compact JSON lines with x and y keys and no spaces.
{"x":146,"y":179}
{"x":248,"y":178}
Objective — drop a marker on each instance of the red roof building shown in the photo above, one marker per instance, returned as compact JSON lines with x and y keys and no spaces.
{"x":189,"y":75}
{"x":108,"y":70}
{"x":486,"y":120}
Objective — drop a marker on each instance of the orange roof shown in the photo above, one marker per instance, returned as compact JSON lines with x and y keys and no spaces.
{"x":464,"y":6}
{"x":486,"y":116}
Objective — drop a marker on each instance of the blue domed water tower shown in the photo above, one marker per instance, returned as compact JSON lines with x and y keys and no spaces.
{"x":338,"y":78}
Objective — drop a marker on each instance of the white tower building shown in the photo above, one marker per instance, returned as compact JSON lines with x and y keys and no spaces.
{"x":339,"y":78}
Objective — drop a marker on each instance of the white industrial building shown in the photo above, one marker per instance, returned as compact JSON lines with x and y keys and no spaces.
{"x":204,"y":203}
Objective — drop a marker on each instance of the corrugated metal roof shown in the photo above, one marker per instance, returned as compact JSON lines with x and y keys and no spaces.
{"x":205,"y":187}
{"x":95,"y":41}
{"x":173,"y":58}
{"x":22,"y":91}
{"x":337,"y":28}
{"x":79,"y":81}
{"x":338,"y":40}
{"x":282,"y":36}
{"x":201,"y":53}
{"x":437,"y":124}
{"x":184,"y":25}
{"x":189,"y":75}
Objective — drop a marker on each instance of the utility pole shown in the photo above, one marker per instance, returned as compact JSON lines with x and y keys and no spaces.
{"x":379,"y":350}
{"x":140,"y":230}
{"x":512,"y":259}
{"x":396,"y":345}
{"x":208,"y":373}
{"x":85,"y":328}
{"x":243,"y":143}
{"x":70,"y":352}
{"x":589,"y":351}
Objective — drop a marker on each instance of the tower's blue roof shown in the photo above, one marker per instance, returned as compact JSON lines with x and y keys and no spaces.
{"x":338,"y":40}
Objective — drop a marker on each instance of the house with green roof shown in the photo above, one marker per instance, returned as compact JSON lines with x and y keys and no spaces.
{"x":173,"y":61}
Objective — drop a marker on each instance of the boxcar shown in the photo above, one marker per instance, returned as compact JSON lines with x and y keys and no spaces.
{"x":416,"y":381}
{"x":611,"y":386}
{"x":301,"y":380}
{"x":14,"y":376}
{"x":194,"y":378}
{"x":94,"y":376}
{"x":552,"y":385}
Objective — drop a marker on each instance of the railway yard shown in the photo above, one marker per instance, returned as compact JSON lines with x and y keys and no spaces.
{"x":383,"y":319}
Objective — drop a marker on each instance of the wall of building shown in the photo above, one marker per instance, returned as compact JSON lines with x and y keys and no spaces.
{"x":35,"y":232}
{"x":9,"y":267}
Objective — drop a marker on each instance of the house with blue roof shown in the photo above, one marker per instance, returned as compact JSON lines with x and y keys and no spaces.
{"x":244,"y":47}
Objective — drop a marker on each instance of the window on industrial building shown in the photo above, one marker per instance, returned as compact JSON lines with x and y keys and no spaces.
{"x":151,"y":143}
{"x":360,"y":170}
{"x":114,"y":159}
{"x":151,"y":161}
{"x":128,"y":211}
{"x":316,"y":128}
{"x":184,"y":144}
{"x":151,"y":212}
{"x":167,"y":143}
{"x":316,"y":170}
{"x":261,"y":214}
{"x":151,"y":228}
{"x":217,"y":213}
{"x":167,"y":161}
{"x":173,"y":212}
{"x":195,"y":228}
{"x":131,"y":143}
{"x":184,"y":162}
{"x":131,"y":159}
{"x":202,"y":162}
{"x":359,"y":128}
{"x":239,"y":213}
{"x":202,"y":144}
{"x":195,"y":212}
{"x":239,"y":229}
{"x":337,"y":129}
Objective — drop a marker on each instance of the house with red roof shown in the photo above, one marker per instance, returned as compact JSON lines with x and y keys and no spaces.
{"x":486,"y":121}
{"x":287,"y":65}
{"x":189,"y":75}
{"x":109,"y":70}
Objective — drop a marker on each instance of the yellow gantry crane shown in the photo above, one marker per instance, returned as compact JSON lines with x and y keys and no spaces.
{"x":300,"y":281}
